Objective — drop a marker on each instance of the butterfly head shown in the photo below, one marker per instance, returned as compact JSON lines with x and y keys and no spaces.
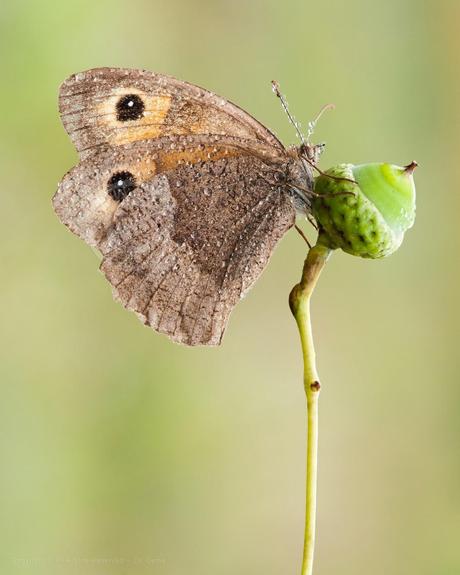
{"x":311,"y":153}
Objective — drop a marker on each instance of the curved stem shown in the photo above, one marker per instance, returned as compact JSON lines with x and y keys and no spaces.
{"x":299,"y":301}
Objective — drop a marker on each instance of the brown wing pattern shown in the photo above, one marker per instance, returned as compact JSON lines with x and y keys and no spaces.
{"x":183,"y":273}
{"x":178,"y":189}
{"x":83,"y":204}
{"x":160,"y":105}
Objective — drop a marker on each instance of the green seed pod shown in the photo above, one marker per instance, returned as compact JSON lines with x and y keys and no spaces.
{"x":367,"y":213}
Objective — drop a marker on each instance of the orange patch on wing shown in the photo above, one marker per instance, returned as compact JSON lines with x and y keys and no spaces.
{"x":147,"y":127}
{"x":143,"y":169}
{"x":170,"y":159}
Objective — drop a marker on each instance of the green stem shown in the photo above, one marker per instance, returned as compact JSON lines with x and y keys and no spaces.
{"x":299,"y":301}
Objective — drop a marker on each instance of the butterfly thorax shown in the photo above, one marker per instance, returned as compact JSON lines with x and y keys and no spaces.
{"x":300,"y":174}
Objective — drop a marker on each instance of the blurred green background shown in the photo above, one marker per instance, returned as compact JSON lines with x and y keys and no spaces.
{"x":123,"y":453}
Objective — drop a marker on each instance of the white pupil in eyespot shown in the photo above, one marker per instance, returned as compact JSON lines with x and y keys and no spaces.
{"x":130,"y":103}
{"x":120,"y":183}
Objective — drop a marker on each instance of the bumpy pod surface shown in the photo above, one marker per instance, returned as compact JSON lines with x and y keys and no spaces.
{"x":368,"y":215}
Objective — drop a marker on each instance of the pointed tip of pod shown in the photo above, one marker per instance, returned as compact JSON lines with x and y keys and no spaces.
{"x":410,"y":168}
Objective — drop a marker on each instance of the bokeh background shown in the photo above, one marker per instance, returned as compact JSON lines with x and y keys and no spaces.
{"x":122,"y":453}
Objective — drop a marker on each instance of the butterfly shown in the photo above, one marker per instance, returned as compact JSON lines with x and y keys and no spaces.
{"x":183,"y":193}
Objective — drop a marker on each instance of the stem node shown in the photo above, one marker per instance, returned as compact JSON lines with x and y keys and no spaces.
{"x":315,"y":386}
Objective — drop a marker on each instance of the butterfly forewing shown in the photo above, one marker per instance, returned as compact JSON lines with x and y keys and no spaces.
{"x":117,"y":106}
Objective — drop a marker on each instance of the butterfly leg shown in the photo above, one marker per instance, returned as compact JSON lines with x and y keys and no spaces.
{"x":299,"y":230}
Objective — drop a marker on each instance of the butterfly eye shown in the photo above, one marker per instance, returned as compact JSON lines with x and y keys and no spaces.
{"x":130,"y":107}
{"x":120,"y":185}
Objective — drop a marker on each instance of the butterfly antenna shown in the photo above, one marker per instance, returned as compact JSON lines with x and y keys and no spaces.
{"x":278,"y":94}
{"x":312,"y":123}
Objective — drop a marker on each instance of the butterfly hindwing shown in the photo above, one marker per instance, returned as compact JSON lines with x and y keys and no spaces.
{"x":181,"y":256}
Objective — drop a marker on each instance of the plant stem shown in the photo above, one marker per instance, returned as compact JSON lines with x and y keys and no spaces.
{"x":299,"y":301}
